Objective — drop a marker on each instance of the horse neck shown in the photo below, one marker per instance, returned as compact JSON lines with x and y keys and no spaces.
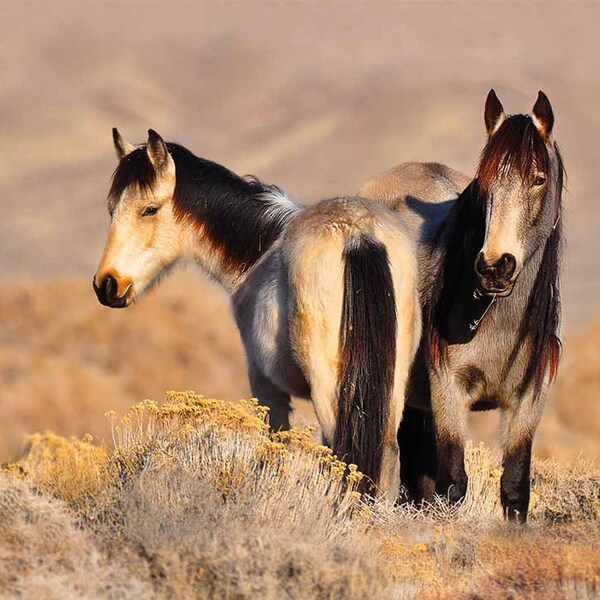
{"x":510,"y":311}
{"x":521,"y":329}
{"x":233,"y":223}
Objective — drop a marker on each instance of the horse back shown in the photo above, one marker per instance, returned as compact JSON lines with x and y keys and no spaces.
{"x":421,"y":192}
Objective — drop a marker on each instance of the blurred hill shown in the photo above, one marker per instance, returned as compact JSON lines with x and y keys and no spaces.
{"x":313,"y":96}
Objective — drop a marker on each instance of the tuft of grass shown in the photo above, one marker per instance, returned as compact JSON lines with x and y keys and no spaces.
{"x":205,"y":501}
{"x":196,"y":498}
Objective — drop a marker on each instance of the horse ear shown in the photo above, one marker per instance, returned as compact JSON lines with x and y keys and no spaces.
{"x":122,"y":148}
{"x":157,"y":150}
{"x":543,"y":117}
{"x":494,"y":113}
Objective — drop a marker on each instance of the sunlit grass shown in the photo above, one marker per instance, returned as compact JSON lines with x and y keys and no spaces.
{"x":195,"y":497}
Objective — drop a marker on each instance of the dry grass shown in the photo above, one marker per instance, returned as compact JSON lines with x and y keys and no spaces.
{"x":196,"y":498}
{"x":201,"y":500}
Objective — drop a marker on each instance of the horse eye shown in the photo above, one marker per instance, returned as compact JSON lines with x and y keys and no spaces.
{"x":539,"y":180}
{"x":149,"y":211}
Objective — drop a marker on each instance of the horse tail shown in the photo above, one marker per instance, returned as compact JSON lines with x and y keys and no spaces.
{"x":367,"y":353}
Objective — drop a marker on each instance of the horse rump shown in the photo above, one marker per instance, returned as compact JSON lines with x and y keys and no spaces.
{"x":367,"y":356}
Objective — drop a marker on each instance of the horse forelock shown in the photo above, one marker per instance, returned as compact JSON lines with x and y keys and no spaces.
{"x":518,"y":147}
{"x":134,"y":170}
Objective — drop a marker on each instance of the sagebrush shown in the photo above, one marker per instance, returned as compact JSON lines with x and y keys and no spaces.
{"x":196,"y":498}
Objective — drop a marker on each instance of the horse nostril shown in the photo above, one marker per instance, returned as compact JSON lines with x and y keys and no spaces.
{"x":503,"y":268}
{"x":482,"y":267}
{"x":507,"y":266}
{"x":107,"y":292}
{"x":110,"y":286}
{"x":106,"y":289}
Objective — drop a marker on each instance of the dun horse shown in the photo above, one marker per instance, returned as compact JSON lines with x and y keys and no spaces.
{"x":490,"y":289}
{"x":325,"y":297}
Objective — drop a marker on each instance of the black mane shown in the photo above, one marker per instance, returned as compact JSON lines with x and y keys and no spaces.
{"x":238,"y":215}
{"x":518,"y":145}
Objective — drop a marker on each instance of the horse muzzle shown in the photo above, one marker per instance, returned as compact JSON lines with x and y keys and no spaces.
{"x":496,"y":278}
{"x":107,"y":293}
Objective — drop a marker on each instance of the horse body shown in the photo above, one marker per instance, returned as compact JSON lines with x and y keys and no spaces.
{"x":325,"y":297}
{"x":489,"y":266}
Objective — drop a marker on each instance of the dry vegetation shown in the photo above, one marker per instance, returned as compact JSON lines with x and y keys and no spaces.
{"x":195,"y":498}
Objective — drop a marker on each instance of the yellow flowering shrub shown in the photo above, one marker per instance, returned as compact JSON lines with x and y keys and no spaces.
{"x":196,"y":497}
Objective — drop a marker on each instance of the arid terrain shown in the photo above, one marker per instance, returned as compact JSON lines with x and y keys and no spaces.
{"x":195,"y":499}
{"x":315,"y":97}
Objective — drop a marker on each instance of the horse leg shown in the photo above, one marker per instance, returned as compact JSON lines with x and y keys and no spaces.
{"x":389,"y":478}
{"x":269,"y":395}
{"x":324,"y":398}
{"x":418,"y":467}
{"x":450,"y":426}
{"x":519,"y":423}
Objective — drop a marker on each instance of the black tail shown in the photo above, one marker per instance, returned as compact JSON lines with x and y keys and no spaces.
{"x":367,"y":355}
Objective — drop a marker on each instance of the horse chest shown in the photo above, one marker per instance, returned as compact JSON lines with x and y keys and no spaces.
{"x":478,"y":372}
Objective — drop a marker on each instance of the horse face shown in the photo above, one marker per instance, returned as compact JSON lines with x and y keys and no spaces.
{"x":513,"y":208}
{"x":521,"y":207}
{"x":145,"y":239}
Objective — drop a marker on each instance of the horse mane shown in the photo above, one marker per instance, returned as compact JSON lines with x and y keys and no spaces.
{"x":240,"y":216}
{"x":516,"y":145}
{"x":455,"y":245}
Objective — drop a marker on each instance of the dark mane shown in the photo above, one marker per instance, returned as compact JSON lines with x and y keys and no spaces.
{"x":240,"y":216}
{"x":134,"y":170}
{"x":516,"y":145}
{"x":455,"y":245}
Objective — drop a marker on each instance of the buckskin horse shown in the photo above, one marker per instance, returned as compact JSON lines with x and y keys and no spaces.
{"x":325,"y":296}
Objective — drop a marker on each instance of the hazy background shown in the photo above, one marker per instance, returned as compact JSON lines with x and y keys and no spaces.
{"x":313,"y":96}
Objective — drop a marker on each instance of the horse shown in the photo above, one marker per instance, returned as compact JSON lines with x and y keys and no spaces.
{"x":489,"y":258}
{"x":324,"y":296}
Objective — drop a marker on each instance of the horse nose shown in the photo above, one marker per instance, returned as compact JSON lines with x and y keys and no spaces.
{"x":502,"y":269}
{"x":107,"y":292}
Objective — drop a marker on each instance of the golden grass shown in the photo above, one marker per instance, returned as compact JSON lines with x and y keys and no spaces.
{"x":195,"y":498}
